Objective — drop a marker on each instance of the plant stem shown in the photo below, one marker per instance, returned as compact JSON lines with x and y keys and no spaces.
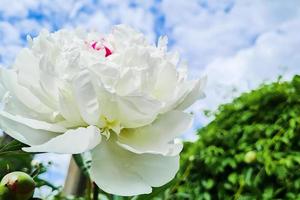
{"x":95,"y":192}
{"x":88,"y":190}
{"x":81,"y":164}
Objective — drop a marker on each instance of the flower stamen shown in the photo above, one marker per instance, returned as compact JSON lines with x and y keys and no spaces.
{"x":108,"y":52}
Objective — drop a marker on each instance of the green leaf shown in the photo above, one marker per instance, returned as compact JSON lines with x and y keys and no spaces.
{"x":14,"y":145}
{"x":208,"y":184}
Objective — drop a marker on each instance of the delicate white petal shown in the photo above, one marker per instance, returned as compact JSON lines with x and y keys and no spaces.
{"x":130,"y":111}
{"x":158,"y":137}
{"x":166,"y":82}
{"x":137,"y":111}
{"x":156,"y":170}
{"x":9,"y":78}
{"x":194,"y":95}
{"x":86,"y":98}
{"x":27,"y":65}
{"x":71,"y":142}
{"x":129,"y":82}
{"x":32,"y":123}
{"x":107,"y":101}
{"x":181,"y":91}
{"x":14,"y":106}
{"x":23,"y":132}
{"x":68,"y":107}
{"x":48,"y":78}
{"x":107,"y":74}
{"x":121,"y":172}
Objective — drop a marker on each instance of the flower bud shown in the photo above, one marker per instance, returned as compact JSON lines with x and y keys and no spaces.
{"x":20,"y":184}
{"x":250,"y":157}
{"x":5,"y":193}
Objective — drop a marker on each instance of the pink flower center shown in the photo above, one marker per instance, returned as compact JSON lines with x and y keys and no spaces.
{"x":100,"y":47}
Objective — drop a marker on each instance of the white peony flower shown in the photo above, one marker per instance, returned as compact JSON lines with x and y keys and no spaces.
{"x":113,"y":95}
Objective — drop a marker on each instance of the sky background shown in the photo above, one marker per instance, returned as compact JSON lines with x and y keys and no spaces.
{"x":238,"y":45}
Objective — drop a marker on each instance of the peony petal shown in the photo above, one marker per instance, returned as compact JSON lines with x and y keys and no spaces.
{"x":158,"y":137}
{"x":32,"y":123}
{"x":86,"y":98}
{"x":32,"y":75}
{"x":15,"y":107}
{"x":108,"y":74}
{"x":180,"y":93}
{"x":130,"y":111}
{"x":109,"y":108}
{"x":27,"y":65}
{"x":129,"y":82}
{"x":137,"y":111}
{"x":67,"y":106}
{"x":121,"y":172}
{"x":71,"y":142}
{"x":21,"y":130}
{"x":193,"y":95}
{"x":9,"y":78}
{"x":166,"y":82}
{"x":49,"y":81}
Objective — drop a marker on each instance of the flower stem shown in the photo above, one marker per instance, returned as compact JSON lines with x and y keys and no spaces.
{"x":95,"y":192}
{"x":81,"y":164}
{"x":88,"y":190}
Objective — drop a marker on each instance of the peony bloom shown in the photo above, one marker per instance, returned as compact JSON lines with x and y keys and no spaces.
{"x":112,"y":95}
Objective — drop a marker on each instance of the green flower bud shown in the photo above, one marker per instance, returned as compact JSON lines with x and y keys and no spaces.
{"x":250,"y":157}
{"x":20,"y":184}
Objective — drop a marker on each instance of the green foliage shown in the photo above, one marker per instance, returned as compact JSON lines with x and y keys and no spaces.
{"x":12,"y":158}
{"x":250,"y":151}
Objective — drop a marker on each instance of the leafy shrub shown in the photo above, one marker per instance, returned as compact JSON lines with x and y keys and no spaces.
{"x":250,"y":151}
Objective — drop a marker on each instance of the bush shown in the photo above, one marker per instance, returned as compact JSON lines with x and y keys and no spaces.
{"x":250,"y":151}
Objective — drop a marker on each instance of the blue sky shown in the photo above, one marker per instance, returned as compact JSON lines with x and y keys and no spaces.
{"x":236,"y":44}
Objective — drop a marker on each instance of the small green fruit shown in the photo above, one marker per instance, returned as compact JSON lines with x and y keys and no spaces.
{"x":250,"y":157}
{"x":5,"y":193}
{"x":20,"y":184}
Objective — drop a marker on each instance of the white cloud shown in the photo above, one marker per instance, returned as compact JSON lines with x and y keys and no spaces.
{"x":9,"y":33}
{"x":209,"y":30}
{"x":13,"y":8}
{"x":97,"y":22}
{"x":273,"y":54}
